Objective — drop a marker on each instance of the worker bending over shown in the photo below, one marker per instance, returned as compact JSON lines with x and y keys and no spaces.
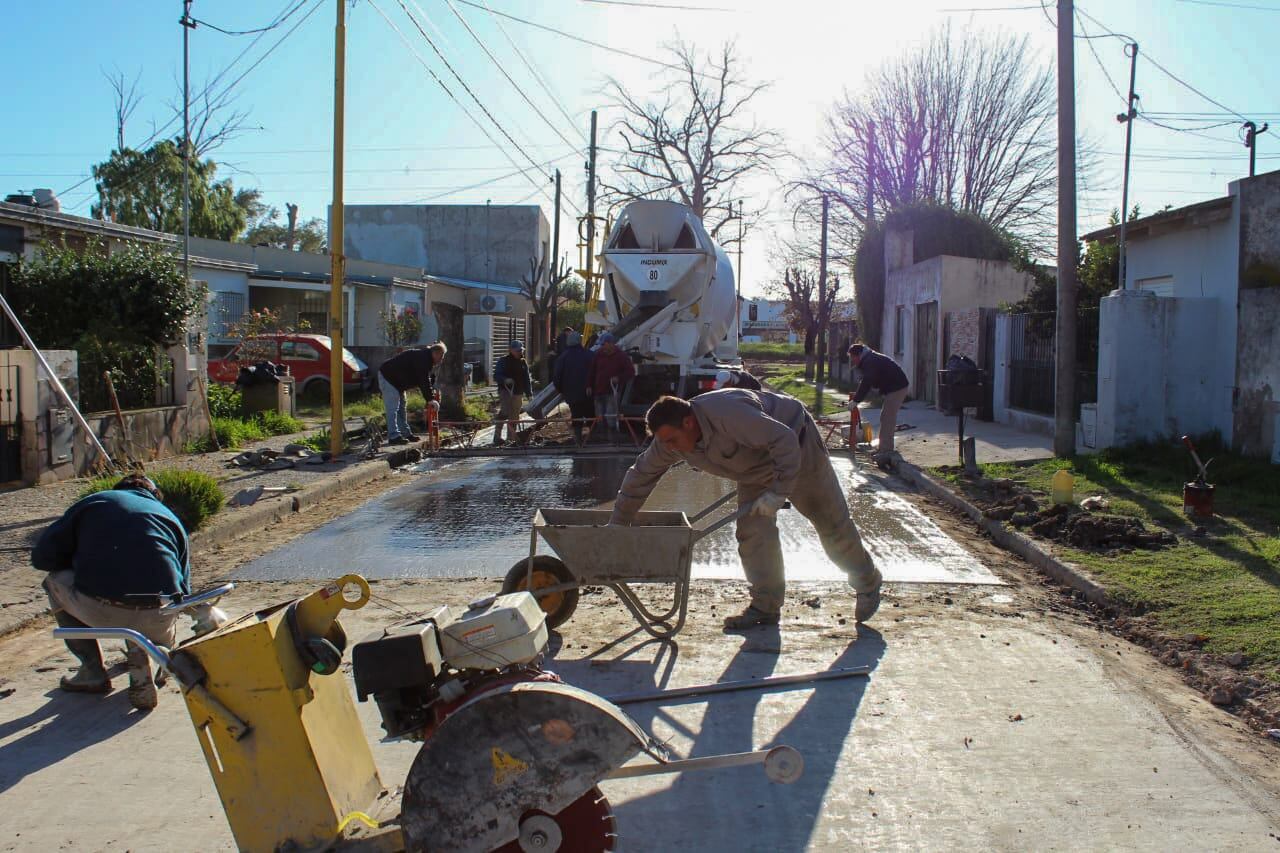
{"x":882,"y":373}
{"x":769,"y":445}
{"x":413,"y":368}
{"x":114,"y":559}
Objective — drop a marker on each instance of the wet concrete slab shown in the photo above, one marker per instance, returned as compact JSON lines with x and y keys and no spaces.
{"x":471,"y":518}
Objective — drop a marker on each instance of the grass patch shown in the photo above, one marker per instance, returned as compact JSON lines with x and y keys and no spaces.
{"x":790,"y":380}
{"x":776,"y":352}
{"x":193,"y":496}
{"x":1224,"y":586}
{"x":234,"y":432}
{"x":363,"y":406}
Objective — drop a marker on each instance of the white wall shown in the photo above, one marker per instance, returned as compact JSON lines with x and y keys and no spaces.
{"x":1203,"y":262}
{"x":1154,"y":380}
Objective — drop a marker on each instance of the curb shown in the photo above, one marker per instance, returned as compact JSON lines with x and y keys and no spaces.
{"x":1010,"y":540}
{"x":238,"y":522}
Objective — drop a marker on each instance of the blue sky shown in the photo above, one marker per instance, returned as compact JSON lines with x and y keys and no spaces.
{"x":408,"y":141}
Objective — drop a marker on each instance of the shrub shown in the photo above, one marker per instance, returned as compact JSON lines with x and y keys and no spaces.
{"x":193,"y":496}
{"x":276,"y":423}
{"x":318,"y":442}
{"x":232,"y":432}
{"x":225,"y":401}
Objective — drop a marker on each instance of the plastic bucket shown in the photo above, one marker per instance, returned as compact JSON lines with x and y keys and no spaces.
{"x":1197,"y":499}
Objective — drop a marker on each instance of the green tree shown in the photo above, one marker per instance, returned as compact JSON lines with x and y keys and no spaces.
{"x":144,"y":189}
{"x":1097,"y":274}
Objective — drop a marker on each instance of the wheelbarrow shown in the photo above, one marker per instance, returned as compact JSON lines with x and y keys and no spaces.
{"x":656,"y":548}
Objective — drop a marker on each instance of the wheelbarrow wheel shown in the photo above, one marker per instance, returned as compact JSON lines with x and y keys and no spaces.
{"x":547,"y":571}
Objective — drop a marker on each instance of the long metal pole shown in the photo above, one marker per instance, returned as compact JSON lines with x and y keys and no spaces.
{"x":338,"y":272}
{"x":53,"y":379}
{"x":591,"y":214}
{"x":187,"y":24}
{"x":738,"y":278}
{"x":803,"y":678}
{"x":1128,"y":119}
{"x":554,"y":265}
{"x":1064,"y":433}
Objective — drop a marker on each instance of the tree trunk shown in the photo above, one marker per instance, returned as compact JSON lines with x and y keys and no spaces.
{"x":808,"y":353}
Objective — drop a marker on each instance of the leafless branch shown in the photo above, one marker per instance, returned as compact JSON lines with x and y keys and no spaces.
{"x":126,"y":98}
{"x":691,"y":140}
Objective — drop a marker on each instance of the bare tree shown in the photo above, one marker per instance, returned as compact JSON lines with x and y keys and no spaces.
{"x":965,"y":120}
{"x":127,"y":99}
{"x":215,"y":119}
{"x":692,"y":140}
{"x":541,"y":296}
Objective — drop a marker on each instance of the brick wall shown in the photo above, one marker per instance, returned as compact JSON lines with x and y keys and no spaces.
{"x":963,"y":333}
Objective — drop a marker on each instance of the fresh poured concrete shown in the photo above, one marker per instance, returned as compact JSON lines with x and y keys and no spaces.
{"x":471,"y":518}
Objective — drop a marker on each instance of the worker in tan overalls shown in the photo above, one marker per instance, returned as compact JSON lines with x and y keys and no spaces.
{"x":769,"y":445}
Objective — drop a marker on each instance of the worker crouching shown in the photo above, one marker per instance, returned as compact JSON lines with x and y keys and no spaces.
{"x":769,"y":445}
{"x":115,"y":559}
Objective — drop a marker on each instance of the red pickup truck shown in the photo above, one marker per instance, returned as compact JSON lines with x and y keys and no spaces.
{"x":306,"y":356}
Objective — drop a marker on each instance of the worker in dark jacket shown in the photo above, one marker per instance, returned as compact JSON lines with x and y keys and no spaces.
{"x":607,"y":377}
{"x":570,"y":379}
{"x":883,"y":374}
{"x":514,"y":384}
{"x":114,"y":559}
{"x":736,"y":379}
{"x":413,"y":368}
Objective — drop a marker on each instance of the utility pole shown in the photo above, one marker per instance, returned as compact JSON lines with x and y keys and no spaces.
{"x":591,"y":215}
{"x":1064,"y":433}
{"x":187,"y":26}
{"x":338,"y":272}
{"x":738,"y":277}
{"x":871,"y":172}
{"x":1251,"y":132}
{"x":553,"y":261}
{"x":822,"y":296}
{"x":1127,"y":119}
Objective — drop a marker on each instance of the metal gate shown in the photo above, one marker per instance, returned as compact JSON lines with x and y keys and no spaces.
{"x":926,"y":352}
{"x":10,"y":423}
{"x":1031,"y":362}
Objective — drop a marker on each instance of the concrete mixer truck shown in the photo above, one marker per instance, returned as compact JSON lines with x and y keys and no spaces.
{"x":668,"y":297}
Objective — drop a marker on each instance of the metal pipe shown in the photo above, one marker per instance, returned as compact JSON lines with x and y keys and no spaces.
{"x":55,"y":381}
{"x":710,"y":762}
{"x":209,"y":596}
{"x":156,"y":653}
{"x":745,"y":684}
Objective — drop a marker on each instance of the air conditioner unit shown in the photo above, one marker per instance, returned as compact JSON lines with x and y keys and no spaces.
{"x":491,"y":303}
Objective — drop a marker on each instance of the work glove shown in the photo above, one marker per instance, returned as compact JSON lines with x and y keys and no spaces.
{"x":767,"y":504}
{"x":509,"y":383}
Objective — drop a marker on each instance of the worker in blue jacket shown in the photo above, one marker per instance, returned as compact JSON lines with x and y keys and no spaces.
{"x":570,"y":379}
{"x":882,"y":373}
{"x":114,"y":559}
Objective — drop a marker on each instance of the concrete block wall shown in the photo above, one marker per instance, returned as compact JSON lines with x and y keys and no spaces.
{"x":965,"y":327}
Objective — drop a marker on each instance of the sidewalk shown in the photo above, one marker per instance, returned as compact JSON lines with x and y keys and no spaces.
{"x":932,"y":441}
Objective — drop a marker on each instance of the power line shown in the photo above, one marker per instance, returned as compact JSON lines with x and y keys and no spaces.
{"x":1232,"y":5}
{"x":582,"y":40}
{"x":1098,"y":59}
{"x":546,"y":87}
{"x":503,"y":69}
{"x":265,"y":29}
{"x":466,"y":88}
{"x":669,"y":6}
{"x":214,"y":82}
{"x":430,"y":71}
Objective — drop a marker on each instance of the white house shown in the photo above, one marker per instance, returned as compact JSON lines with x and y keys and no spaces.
{"x":1190,"y":345}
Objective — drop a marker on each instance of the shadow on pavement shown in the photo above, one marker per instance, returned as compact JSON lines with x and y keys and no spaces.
{"x":737,"y":808}
{"x":66,"y":724}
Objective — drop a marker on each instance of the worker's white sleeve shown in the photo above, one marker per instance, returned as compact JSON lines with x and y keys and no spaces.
{"x":640,"y":480}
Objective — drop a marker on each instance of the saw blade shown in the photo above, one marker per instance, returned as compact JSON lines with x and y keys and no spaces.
{"x":586,"y":825}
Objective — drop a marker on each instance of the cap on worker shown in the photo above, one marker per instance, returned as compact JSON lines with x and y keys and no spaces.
{"x":517,"y":345}
{"x":722,"y":379}
{"x":607,"y":338}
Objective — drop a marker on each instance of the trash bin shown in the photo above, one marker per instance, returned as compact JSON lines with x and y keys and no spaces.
{"x":266,"y":387}
{"x":961,"y":386}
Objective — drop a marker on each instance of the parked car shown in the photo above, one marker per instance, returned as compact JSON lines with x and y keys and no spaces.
{"x":306,"y":356}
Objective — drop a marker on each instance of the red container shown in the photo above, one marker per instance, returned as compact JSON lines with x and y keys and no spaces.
{"x":1197,"y":499}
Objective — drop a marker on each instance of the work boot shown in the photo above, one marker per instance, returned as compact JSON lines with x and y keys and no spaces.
{"x":92,"y":676}
{"x":142,"y":690}
{"x":750,"y":618}
{"x":867,"y":605}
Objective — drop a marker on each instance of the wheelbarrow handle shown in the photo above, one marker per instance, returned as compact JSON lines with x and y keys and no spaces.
{"x":733,"y":516}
